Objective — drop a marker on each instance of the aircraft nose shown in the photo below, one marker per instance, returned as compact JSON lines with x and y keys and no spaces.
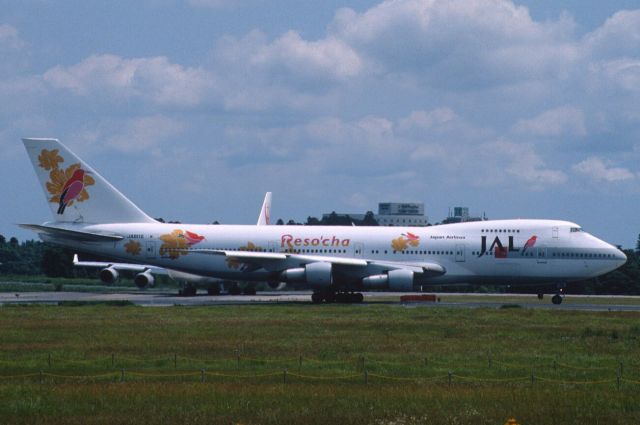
{"x":621,"y":257}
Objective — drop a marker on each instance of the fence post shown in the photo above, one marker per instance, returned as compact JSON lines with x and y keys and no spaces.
{"x":49,"y":360}
{"x":366,"y":376}
{"x":618,"y":382}
{"x":300,"y":362}
{"x":450,"y":374}
{"x":555,"y":365}
{"x":362,"y":361}
{"x":121,"y":375}
{"x":489,"y":359}
{"x":113,"y":359}
{"x":238,"y":358}
{"x":284,"y":376}
{"x":532,"y":376}
{"x":621,"y":369}
{"x":201,"y":375}
{"x":41,"y":377}
{"x":175,"y":360}
{"x":425,"y":362}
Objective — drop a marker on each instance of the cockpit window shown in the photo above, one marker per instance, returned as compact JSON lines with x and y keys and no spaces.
{"x":576,"y":229}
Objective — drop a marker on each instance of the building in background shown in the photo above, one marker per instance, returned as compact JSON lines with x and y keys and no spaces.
{"x":461,"y":215}
{"x":389,"y":214}
{"x":401,"y":214}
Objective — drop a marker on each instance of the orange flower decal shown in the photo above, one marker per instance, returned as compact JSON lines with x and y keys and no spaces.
{"x":133,"y":247}
{"x":61,"y":178}
{"x":177,"y":243}
{"x":234,"y":263}
{"x":174,"y":244}
{"x":49,"y":159}
{"x":405,"y":240}
{"x":399,"y":244}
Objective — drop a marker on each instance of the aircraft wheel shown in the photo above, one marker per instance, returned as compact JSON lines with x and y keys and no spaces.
{"x":330,"y":297}
{"x":358,"y":297}
{"x":188,"y":291}
{"x":234,"y":290}
{"x":316,"y":298}
{"x":540,"y":296}
{"x":213,"y":290}
{"x":556,"y":299}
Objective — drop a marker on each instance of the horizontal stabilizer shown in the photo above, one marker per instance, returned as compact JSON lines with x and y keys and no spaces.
{"x":74,"y":235}
{"x":119,"y":266}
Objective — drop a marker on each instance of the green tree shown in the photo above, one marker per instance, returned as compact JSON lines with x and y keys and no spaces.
{"x":313,"y":221}
{"x":57,"y":262}
{"x":369,"y":219}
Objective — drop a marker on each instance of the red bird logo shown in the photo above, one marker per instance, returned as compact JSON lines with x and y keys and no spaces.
{"x":530,"y":243}
{"x":71,"y":189}
{"x":192,"y":238}
{"x":410,"y":236}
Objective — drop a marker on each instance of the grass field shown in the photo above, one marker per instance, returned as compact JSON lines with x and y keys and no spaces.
{"x":241,"y":351}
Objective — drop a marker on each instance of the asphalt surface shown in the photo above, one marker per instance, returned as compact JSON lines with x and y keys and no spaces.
{"x":156,"y":299}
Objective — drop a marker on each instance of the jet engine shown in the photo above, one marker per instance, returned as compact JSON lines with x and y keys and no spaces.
{"x":144,"y":280}
{"x":109,"y":275}
{"x":395,"y":280}
{"x":317,"y":275}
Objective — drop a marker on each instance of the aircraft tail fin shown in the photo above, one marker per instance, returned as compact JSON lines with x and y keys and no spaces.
{"x":265,"y":213}
{"x":75,"y":192}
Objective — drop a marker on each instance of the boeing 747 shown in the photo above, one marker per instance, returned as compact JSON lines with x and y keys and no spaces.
{"x":90,"y":215}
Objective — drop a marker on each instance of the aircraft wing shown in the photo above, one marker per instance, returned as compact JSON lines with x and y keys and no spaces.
{"x":275,"y":261}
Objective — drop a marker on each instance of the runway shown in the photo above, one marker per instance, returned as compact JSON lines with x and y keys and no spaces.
{"x":447,"y":300}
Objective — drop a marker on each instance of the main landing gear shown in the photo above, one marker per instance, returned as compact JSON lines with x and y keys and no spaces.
{"x":188,"y":291}
{"x":559,"y":296}
{"x":337,"y":297}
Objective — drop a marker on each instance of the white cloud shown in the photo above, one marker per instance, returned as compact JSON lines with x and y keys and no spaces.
{"x":155,"y":78}
{"x":145,"y":133}
{"x":458,"y":43}
{"x":520,"y":161}
{"x":618,"y":37}
{"x":598,"y":170}
{"x":290,"y":58}
{"x":554,"y":122}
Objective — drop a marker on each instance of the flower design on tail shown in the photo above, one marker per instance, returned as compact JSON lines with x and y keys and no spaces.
{"x":65,"y":185}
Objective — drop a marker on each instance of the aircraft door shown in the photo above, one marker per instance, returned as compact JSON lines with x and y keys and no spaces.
{"x":151,"y":249}
{"x":460,"y":253}
{"x":541,"y":255}
{"x":554,"y":232}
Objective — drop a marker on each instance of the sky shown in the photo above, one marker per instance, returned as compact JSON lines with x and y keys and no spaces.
{"x":195,"y":108}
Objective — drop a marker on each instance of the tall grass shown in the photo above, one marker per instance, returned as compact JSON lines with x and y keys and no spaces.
{"x":407,"y":354}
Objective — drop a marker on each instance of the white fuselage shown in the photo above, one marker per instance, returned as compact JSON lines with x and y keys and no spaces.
{"x":500,"y":251}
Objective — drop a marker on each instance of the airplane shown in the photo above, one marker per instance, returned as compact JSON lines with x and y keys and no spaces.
{"x":336,"y":262}
{"x":145,"y":273}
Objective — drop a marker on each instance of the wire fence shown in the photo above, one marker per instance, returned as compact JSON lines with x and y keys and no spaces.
{"x":53,"y":369}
